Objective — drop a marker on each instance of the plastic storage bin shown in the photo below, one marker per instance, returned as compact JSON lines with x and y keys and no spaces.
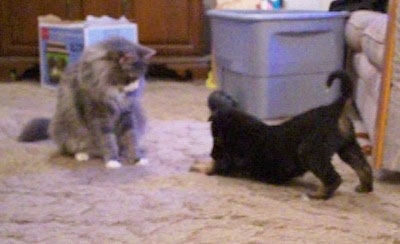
{"x":275,"y":63}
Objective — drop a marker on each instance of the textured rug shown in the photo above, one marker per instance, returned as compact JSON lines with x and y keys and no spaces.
{"x":47,"y":198}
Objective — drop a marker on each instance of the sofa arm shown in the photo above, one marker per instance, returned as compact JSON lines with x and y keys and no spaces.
{"x":358,"y":21}
{"x":373,"y":40}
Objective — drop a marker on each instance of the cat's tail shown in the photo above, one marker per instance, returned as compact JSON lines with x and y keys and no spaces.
{"x":346,"y":85}
{"x":219,"y":100}
{"x":35,"y":130}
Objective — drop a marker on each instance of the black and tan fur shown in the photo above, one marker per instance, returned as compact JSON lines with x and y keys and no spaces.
{"x":245,"y":146}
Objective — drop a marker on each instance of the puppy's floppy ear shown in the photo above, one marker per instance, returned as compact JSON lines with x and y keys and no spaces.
{"x":212,"y":117}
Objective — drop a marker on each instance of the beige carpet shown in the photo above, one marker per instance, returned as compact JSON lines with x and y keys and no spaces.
{"x":46,"y":198}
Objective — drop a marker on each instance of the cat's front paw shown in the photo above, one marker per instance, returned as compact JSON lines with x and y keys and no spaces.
{"x":113,"y":164}
{"x":81,"y":156}
{"x":142,"y":161}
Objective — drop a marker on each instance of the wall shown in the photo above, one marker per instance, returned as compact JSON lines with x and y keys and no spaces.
{"x":307,"y":4}
{"x":236,"y":4}
{"x":289,"y":4}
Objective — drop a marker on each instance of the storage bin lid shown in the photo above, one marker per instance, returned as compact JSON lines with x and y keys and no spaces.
{"x":261,"y":15}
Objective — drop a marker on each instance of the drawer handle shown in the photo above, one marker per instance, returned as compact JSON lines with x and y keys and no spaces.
{"x":303,"y":32}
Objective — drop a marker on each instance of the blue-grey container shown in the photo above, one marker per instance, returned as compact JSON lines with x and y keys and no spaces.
{"x":275,"y":63}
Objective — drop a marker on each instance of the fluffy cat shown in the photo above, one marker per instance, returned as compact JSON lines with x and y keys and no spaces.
{"x":98,"y":111}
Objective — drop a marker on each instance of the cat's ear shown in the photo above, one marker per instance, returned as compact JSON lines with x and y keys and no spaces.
{"x":145,"y":53}
{"x":142,"y":53}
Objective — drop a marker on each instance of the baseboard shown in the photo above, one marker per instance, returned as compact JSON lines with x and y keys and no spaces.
{"x":9,"y":66}
{"x":197,"y":66}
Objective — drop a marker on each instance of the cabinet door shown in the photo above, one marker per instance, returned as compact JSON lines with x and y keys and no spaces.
{"x":173,"y":27}
{"x":20,"y":26}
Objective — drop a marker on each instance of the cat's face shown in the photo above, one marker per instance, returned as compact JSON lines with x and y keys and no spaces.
{"x":129,"y":67}
{"x":119,"y":65}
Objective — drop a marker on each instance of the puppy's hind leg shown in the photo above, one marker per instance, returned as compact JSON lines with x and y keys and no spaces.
{"x":317,"y":158}
{"x":352,"y":155}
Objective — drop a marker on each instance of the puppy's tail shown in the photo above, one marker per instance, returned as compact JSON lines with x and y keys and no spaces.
{"x":346,"y":86}
{"x":219,"y":100}
{"x":35,"y":130}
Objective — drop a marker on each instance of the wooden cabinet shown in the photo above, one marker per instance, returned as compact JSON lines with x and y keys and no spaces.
{"x":173,"y":27}
{"x":19,"y":36}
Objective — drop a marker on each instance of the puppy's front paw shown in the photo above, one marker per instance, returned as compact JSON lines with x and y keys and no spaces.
{"x":202,"y":167}
{"x":113,"y":164}
{"x":81,"y":156}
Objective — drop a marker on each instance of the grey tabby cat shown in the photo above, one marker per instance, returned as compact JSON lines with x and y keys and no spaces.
{"x":99,"y":112}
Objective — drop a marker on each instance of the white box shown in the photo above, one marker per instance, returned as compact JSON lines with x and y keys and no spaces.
{"x":62,"y":42}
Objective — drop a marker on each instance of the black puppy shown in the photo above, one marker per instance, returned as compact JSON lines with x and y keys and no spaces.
{"x":244,"y":146}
